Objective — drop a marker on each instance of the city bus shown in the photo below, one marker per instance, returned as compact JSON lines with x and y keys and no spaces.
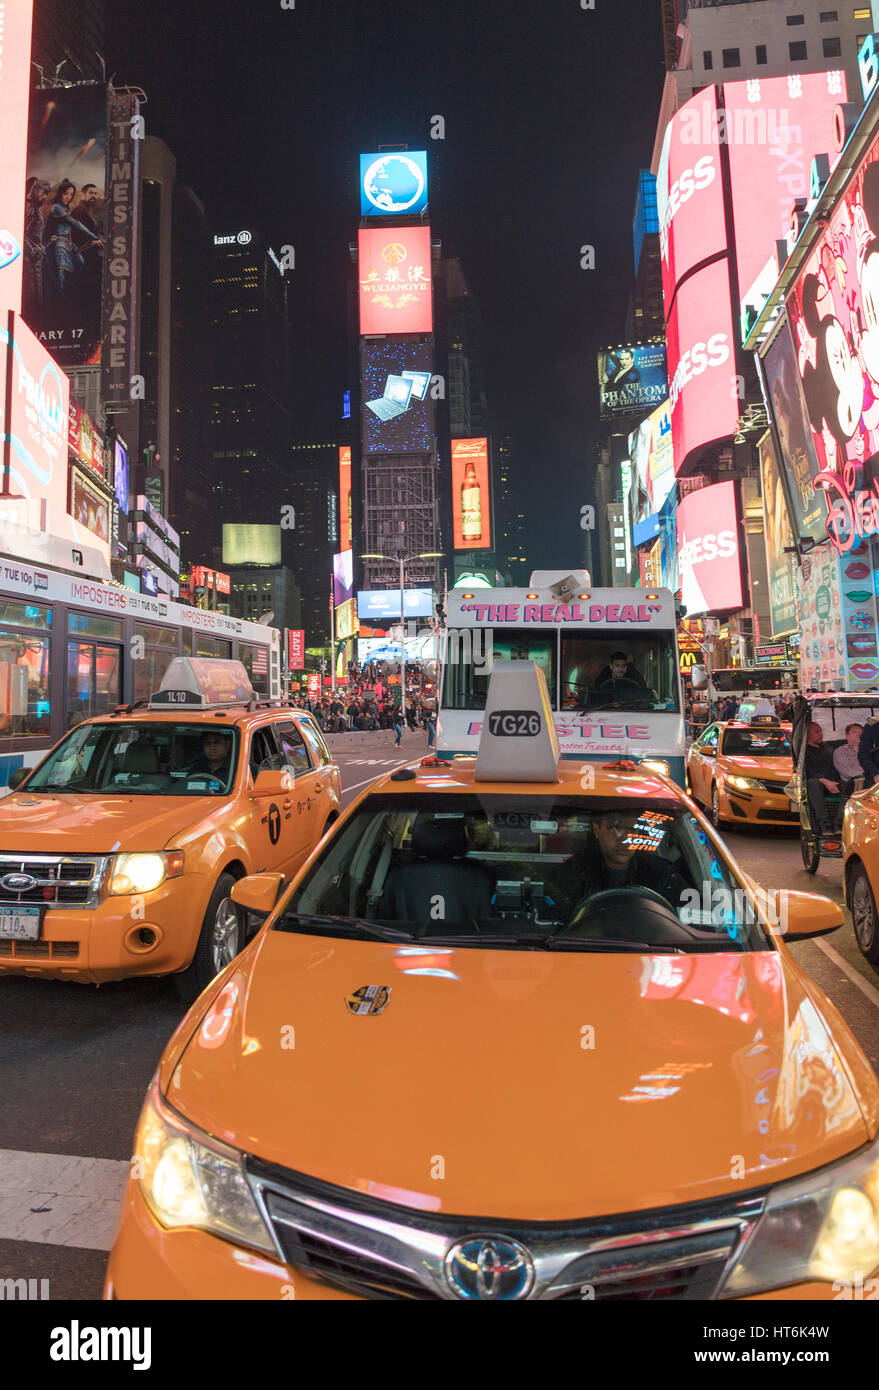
{"x":72,"y":647}
{"x":744,"y":680}
{"x":573,"y":632}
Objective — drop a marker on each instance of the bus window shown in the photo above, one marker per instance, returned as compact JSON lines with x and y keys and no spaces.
{"x":630,"y":672}
{"x":211,"y":646}
{"x":94,"y":625}
{"x":24,"y":685}
{"x":256,"y":663}
{"x":468,"y":660}
{"x":161,"y":645}
{"x":94,"y":680}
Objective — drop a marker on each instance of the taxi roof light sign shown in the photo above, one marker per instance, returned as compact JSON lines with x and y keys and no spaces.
{"x":519,"y":742}
{"x":202,"y":683}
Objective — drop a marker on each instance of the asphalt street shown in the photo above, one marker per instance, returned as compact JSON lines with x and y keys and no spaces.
{"x":76,"y":1062}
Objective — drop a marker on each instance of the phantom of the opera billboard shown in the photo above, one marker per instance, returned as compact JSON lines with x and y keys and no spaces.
{"x":64,"y":199}
{"x":632,"y":380}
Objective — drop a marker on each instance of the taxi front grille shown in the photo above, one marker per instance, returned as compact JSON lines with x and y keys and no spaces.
{"x":776,"y":788}
{"x":39,"y":950}
{"x":59,"y":880}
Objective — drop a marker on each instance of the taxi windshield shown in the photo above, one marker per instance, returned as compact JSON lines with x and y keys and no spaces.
{"x":141,"y":759}
{"x":526,"y":872}
{"x":756,"y":743}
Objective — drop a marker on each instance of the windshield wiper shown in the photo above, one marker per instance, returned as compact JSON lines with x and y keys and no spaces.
{"x":357,"y":923}
{"x":554,"y":943}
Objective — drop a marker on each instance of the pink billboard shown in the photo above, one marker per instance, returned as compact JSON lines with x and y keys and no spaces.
{"x":15,"y":67}
{"x":774,"y":127}
{"x":701,"y":362}
{"x":39,"y":411}
{"x":395,"y":280}
{"x":708,"y":550}
{"x":689,"y":191}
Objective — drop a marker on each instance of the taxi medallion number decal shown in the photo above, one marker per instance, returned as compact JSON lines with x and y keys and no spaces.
{"x":369,"y":999}
{"x":514,"y":723}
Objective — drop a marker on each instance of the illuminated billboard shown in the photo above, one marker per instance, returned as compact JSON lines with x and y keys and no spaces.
{"x":90,"y":507}
{"x":84,"y":439}
{"x":251,"y":544}
{"x":385,"y":603}
{"x":346,"y":526}
{"x":689,"y":191}
{"x":701,"y":359}
{"x":343,"y":576}
{"x":650,"y":450}
{"x":393,"y":267}
{"x":120,"y":475}
{"x":773,"y":128}
{"x":780,"y":565}
{"x":708,"y":550}
{"x":471,"y":495}
{"x":64,"y":221}
{"x":296,"y":649}
{"x":784,"y":398}
{"x":631,"y":379}
{"x":346,"y":620}
{"x":393,"y":185}
{"x":39,"y":409}
{"x":118,"y":360}
{"x":395,"y":386}
{"x":15,"y":75}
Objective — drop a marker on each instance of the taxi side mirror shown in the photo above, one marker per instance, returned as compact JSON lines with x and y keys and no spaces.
{"x":18,"y":777}
{"x":272,"y":781}
{"x":805,"y":915}
{"x":258,"y":893}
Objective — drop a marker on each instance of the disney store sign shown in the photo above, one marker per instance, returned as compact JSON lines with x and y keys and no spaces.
{"x":853,"y":511}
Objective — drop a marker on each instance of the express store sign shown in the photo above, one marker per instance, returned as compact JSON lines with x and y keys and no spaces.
{"x":689,"y":191}
{"x":708,"y":550}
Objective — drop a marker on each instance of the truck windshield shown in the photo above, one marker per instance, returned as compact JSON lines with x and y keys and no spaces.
{"x":602,"y":672}
{"x":148,"y":759}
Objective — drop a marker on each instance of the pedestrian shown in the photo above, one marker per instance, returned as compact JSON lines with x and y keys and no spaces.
{"x":398,"y":728}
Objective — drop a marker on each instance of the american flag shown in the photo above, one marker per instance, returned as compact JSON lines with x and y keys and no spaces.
{"x":260,"y":662}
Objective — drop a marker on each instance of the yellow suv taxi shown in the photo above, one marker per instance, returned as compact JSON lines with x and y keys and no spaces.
{"x":119,"y":851}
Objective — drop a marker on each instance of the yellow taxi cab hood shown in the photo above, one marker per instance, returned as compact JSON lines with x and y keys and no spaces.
{"x":754,"y":767}
{"x":70,"y":823}
{"x":521,"y":1084}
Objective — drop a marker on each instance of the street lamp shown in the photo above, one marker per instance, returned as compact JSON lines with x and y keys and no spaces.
{"x":425,"y":555}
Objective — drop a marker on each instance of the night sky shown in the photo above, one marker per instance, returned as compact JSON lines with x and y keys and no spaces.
{"x":550,"y":112}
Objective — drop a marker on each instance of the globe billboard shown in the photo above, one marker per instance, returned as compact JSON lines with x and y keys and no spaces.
{"x":393,"y":184}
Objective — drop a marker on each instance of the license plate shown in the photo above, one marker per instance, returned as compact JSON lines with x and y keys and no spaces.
{"x":19,"y":923}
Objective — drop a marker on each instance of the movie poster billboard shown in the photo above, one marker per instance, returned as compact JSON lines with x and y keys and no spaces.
{"x":64,"y":198}
{"x":784,"y":401}
{"x":632,"y":379}
{"x":780,"y":565}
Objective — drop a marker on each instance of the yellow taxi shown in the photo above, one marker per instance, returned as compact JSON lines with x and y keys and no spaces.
{"x":740,"y":772}
{"x":860,"y":847}
{"x":517,"y":1030}
{"x":119,"y":851}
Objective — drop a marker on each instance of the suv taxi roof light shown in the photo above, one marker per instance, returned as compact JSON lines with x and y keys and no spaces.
{"x":519,"y":742}
{"x":202,"y":683}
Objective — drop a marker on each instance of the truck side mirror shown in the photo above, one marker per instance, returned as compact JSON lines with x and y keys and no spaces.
{"x":699,"y":677}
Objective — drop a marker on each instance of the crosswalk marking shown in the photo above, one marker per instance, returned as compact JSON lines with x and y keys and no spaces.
{"x":58,"y":1199}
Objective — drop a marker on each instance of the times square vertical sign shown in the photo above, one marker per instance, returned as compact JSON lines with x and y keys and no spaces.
{"x":120,"y":254}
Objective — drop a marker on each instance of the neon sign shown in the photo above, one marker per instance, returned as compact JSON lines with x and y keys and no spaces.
{"x":853,"y":513}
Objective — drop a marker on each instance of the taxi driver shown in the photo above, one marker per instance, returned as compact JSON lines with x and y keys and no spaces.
{"x":215,"y":752}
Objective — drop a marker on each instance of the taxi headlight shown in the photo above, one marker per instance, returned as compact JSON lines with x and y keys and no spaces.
{"x":824,"y":1226}
{"x":141,"y":873}
{"x":657,"y":765}
{"x":744,"y":784}
{"x":190,"y":1179}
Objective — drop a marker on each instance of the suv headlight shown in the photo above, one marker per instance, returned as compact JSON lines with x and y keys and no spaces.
{"x":190,"y":1179}
{"x":822,"y":1226}
{"x":744,"y":784}
{"x":141,"y":873}
{"x":657,"y":765}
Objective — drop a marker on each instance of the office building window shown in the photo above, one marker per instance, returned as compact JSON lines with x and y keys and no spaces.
{"x":828,"y":16}
{"x":761,"y":54}
{"x":863,"y":14}
{"x":707,"y":60}
{"x":732,"y":58}
{"x":796,"y":19}
{"x":797,"y":52}
{"x":832,"y":48}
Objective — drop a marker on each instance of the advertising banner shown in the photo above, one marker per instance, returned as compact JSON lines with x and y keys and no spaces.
{"x":65,"y":204}
{"x":397,"y":405}
{"x":774,"y":127}
{"x":653,"y":475}
{"x":39,"y":410}
{"x":471,"y":495}
{"x":689,"y":192}
{"x":395,"y":280}
{"x":650,"y":565}
{"x":631,"y":379}
{"x":393,"y":185}
{"x":90,"y":507}
{"x":346,"y":529}
{"x":708,"y":550}
{"x":84,"y":440}
{"x":346,"y":620}
{"x":296,"y":649}
{"x":200,"y":577}
{"x":703,"y":394}
{"x":15,"y":77}
{"x":251,"y":544}
{"x":385,"y":603}
{"x":343,"y":577}
{"x":120,"y":474}
{"x":780,"y":564}
{"x":822,"y":639}
{"x":784,"y":400}
{"x":120,"y":259}
{"x":668,"y":543}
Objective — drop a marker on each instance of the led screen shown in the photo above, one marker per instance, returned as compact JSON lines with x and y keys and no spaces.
{"x":385,"y":603}
{"x":39,"y":411}
{"x":689,"y":192}
{"x":780,"y":564}
{"x":397,"y":404}
{"x":784,"y":398}
{"x":631,"y":379}
{"x":120,"y":474}
{"x":393,"y":185}
{"x":251,"y":545}
{"x":650,"y":450}
{"x":395,"y":280}
{"x":703,"y":392}
{"x":345,"y":521}
{"x":708,"y":550}
{"x":471,"y":494}
{"x":343,"y":576}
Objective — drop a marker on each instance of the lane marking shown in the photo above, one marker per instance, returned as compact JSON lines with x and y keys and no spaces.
{"x":848,"y":970}
{"x":58,"y":1199}
{"x":404,"y":763}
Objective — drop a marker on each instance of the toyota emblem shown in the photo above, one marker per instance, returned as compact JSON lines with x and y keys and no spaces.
{"x":489,"y":1268}
{"x":18,"y":883}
